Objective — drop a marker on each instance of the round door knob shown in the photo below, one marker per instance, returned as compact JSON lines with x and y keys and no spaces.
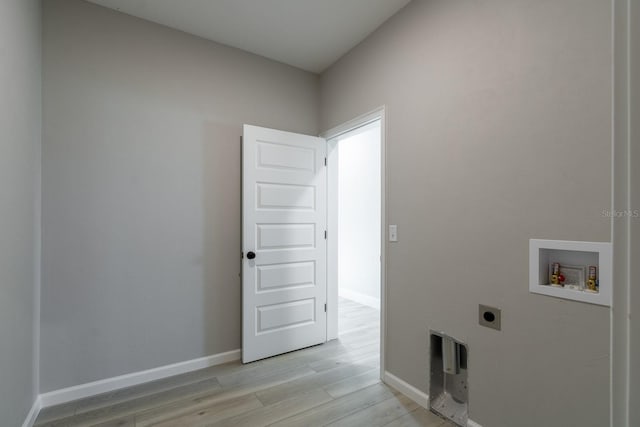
{"x":251,"y":255}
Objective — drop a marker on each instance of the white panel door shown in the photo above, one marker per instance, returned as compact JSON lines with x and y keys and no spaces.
{"x":284,"y":244}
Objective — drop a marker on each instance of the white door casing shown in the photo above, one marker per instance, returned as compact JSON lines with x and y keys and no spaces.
{"x":284,"y":287}
{"x":332,"y":267}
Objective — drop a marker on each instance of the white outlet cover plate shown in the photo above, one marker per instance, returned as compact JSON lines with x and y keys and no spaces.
{"x":393,"y":233}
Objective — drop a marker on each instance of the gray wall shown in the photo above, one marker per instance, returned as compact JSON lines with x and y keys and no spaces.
{"x":20,"y":107}
{"x":499,"y":130}
{"x":141,"y":185}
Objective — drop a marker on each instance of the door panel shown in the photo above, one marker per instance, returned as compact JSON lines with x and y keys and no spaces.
{"x":284,"y":221}
{"x":287,"y":275}
{"x":285,"y":197}
{"x":285,"y":315}
{"x":285,"y":236}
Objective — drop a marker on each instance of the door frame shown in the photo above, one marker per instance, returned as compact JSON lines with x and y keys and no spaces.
{"x":332,"y":223}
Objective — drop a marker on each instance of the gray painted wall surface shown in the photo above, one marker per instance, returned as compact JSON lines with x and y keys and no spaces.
{"x":141,"y":185}
{"x":498,"y":130}
{"x":20,"y":107}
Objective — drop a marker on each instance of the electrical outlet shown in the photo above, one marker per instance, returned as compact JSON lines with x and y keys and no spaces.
{"x":489,"y":317}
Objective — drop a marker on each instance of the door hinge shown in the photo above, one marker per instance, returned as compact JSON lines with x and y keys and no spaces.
{"x":325,"y":234}
{"x":325,"y":161}
{"x":325,"y":307}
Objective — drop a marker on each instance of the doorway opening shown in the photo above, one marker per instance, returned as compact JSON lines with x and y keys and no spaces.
{"x":355,"y":261}
{"x":292,"y":251}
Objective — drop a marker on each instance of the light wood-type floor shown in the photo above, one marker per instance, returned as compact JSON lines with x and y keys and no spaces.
{"x":334,"y":384}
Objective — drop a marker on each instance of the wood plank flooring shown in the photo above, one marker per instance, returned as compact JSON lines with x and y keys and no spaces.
{"x":334,"y":384}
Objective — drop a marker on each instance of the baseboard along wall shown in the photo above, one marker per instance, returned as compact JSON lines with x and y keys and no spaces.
{"x":360,"y":298}
{"x":82,"y":391}
{"x":418,"y":396}
{"x":33,"y":413}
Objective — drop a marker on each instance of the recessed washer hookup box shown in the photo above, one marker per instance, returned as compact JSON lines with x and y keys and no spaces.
{"x":448,"y":390}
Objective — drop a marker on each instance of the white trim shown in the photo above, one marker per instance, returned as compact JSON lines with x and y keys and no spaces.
{"x":382,"y":112}
{"x":33,"y":413}
{"x":81,"y":391}
{"x":37,"y":272}
{"x":362,"y":120}
{"x":360,"y":298}
{"x":379,"y":113}
{"x":332,"y":242}
{"x":621,"y":187}
{"x":418,"y":396}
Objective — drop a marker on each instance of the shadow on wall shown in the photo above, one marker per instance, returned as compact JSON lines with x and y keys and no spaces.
{"x":222,"y":219}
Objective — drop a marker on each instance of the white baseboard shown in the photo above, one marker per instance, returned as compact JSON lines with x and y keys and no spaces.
{"x":360,"y":298}
{"x":33,"y":413}
{"x":418,"y":396}
{"x":82,"y":391}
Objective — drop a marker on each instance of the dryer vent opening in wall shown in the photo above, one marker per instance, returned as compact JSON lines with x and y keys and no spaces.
{"x":448,"y":392}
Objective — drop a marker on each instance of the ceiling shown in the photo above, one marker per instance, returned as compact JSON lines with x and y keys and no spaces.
{"x":308,"y":34}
